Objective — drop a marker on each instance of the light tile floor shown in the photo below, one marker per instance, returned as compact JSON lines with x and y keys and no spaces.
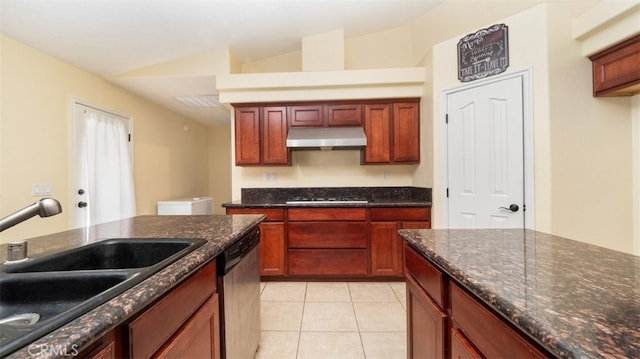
{"x":335,"y":320}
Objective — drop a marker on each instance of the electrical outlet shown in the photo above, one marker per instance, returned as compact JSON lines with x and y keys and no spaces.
{"x":40,"y":189}
{"x":269,"y":177}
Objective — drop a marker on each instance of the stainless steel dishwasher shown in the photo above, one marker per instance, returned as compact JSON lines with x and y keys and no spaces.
{"x":239,"y":286}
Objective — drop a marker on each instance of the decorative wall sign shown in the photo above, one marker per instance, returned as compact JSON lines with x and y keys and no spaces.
{"x":484,"y":53}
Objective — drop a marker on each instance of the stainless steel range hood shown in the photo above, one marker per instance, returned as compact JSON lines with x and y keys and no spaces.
{"x":326,"y":138}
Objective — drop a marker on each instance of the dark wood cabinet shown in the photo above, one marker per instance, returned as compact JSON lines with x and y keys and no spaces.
{"x":247,"y":135}
{"x":461,"y":348}
{"x":327,"y":241}
{"x":386,"y":249}
{"x":107,"y":347}
{"x":377,"y":127}
{"x":391,"y":127}
{"x":393,"y":133}
{"x":386,"y":246}
{"x":484,"y":330}
{"x":470,"y":329}
{"x":406,"y":132}
{"x":274,"y":136}
{"x":184,"y":321}
{"x":306,"y":116}
{"x":272,"y":240}
{"x":426,"y":323}
{"x":261,"y":136}
{"x":344,"y":114}
{"x":616,"y":70}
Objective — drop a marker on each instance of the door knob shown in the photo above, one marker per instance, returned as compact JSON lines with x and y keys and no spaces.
{"x":513,"y":208}
{"x":82,"y":204}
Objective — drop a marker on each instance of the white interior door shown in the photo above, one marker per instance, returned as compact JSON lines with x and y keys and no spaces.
{"x":103,"y":188}
{"x":485,"y":162}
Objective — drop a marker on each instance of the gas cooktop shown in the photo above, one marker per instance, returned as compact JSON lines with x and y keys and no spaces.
{"x":326,"y":200}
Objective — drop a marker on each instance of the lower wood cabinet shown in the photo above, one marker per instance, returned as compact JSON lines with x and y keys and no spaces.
{"x":426,"y":323}
{"x":184,"y":323}
{"x":272,"y":239}
{"x":386,"y":246}
{"x":327,"y":241}
{"x":445,"y":321}
{"x":106,"y":347}
{"x":199,"y":337}
{"x":347,"y":241}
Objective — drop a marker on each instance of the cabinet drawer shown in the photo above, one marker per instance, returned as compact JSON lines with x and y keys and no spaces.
{"x":327,"y":235}
{"x":149,"y":331}
{"x":344,"y":115}
{"x":489,"y":333}
{"x":199,"y":337}
{"x":327,"y":262}
{"x":401,"y":214}
{"x":273,"y":215}
{"x":306,"y":116}
{"x":427,"y":276}
{"x":327,"y":214}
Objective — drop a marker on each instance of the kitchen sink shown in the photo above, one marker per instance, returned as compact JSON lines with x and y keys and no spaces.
{"x":43,"y":293}
{"x":116,"y":253}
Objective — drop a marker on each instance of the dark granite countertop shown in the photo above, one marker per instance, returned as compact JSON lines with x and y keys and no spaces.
{"x":376,"y":197}
{"x":219,"y":231}
{"x":575,"y":299}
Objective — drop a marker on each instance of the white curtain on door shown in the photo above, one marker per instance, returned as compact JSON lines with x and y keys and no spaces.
{"x":108,"y":174}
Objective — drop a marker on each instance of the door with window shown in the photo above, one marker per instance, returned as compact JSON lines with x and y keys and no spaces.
{"x":103,"y":186}
{"x":485,"y":149}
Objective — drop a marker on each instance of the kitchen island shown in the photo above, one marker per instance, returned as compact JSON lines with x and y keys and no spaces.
{"x":78,"y":335}
{"x":554,"y":296}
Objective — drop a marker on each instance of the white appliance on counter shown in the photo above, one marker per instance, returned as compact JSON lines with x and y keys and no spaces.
{"x":186,"y":206}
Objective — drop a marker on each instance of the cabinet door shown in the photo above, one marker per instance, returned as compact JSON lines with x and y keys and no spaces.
{"x":406,"y":132}
{"x":461,"y":348}
{"x":274,"y":144}
{"x":272,"y":249}
{"x":426,"y":324}
{"x":386,"y":249}
{"x":247,"y":133}
{"x":199,"y":337}
{"x":377,"y":124}
{"x":344,"y":115}
{"x":307,"y":116}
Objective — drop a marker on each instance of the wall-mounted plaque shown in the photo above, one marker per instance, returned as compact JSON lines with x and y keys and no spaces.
{"x":483,"y":53}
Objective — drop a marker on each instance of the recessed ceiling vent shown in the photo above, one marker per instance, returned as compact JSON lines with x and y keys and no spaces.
{"x":202,"y":101}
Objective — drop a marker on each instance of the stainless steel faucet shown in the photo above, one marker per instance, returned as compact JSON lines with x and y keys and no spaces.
{"x":45,"y":207}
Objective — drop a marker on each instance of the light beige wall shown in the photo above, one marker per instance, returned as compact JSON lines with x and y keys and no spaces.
{"x":582,"y":144}
{"x":590,"y":146}
{"x":383,"y":49}
{"x":35,"y":122}
{"x":289,"y":62}
{"x":220,"y":166}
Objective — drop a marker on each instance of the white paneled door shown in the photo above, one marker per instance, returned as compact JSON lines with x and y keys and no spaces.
{"x":485,"y":151}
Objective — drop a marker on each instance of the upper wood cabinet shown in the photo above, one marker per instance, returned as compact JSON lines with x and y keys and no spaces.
{"x":406,"y":132}
{"x":274,"y":136}
{"x":322,"y":115}
{"x":261,"y":136}
{"x":307,"y":116}
{"x":391,"y":127}
{"x":616,"y":70}
{"x":247,"y":126}
{"x":344,"y":114}
{"x":393,"y":133}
